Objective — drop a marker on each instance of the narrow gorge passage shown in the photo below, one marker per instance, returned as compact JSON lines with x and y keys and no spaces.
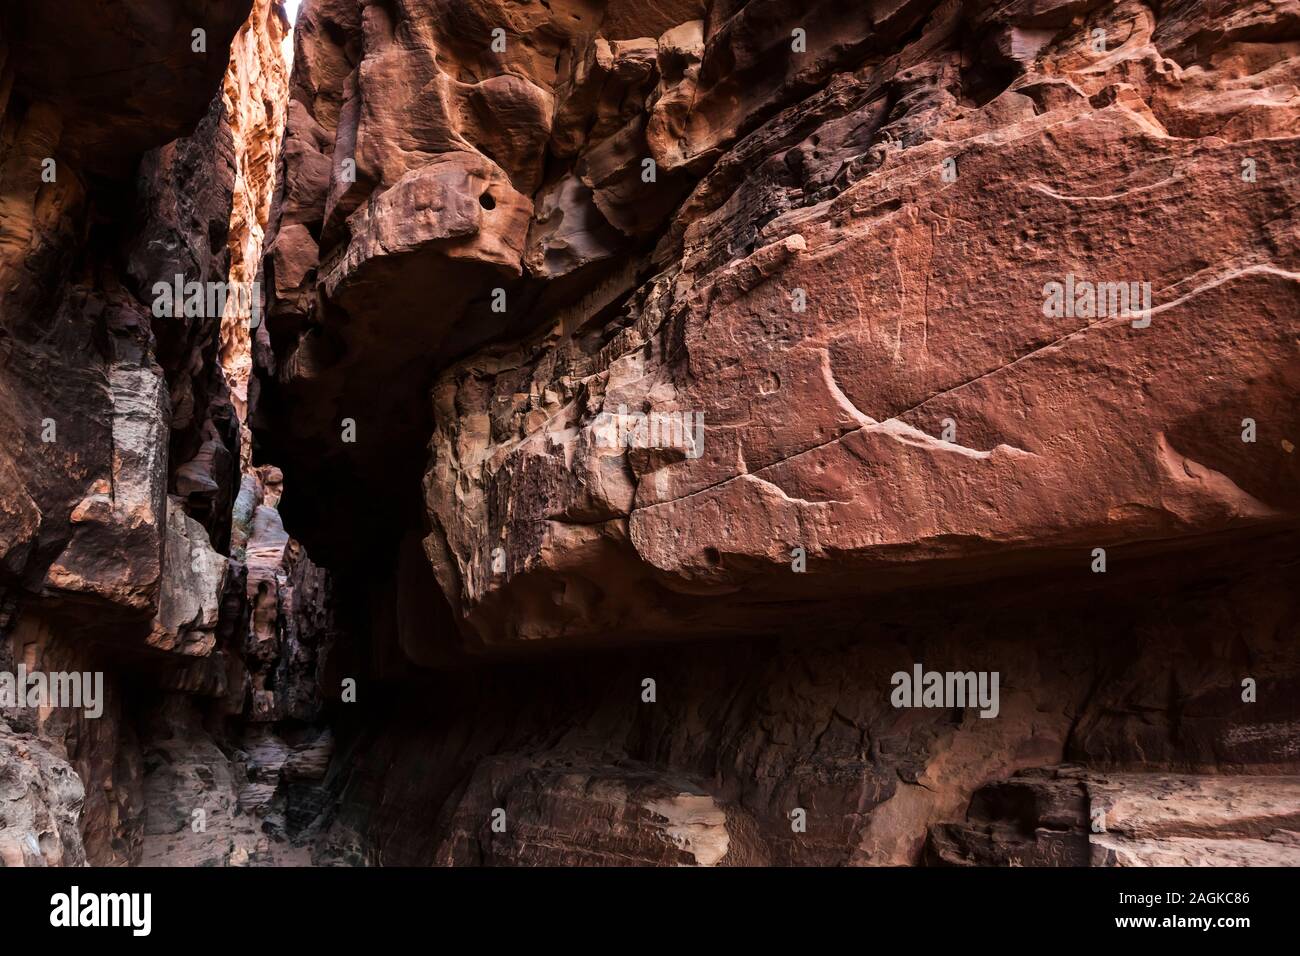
{"x":685,"y":432}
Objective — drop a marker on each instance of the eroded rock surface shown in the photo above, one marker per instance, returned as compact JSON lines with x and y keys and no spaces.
{"x":733,"y":322}
{"x":863,"y":346}
{"x":137,"y":155}
{"x":40,"y":805}
{"x":641,"y":387}
{"x":1066,"y":816}
{"x":1128,"y":684}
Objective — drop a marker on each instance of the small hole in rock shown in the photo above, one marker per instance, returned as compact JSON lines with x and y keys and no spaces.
{"x":487,"y":202}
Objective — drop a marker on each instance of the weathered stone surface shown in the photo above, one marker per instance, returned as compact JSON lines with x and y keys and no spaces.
{"x":421,"y":167}
{"x":40,"y":805}
{"x":191,"y":593}
{"x":291,"y":625}
{"x":576,"y":816}
{"x":89,"y":388}
{"x":817,"y":243}
{"x":823,"y":428}
{"x":93,"y":378}
{"x":255,"y":97}
{"x":122,"y":414}
{"x":1069,"y":816}
{"x":99,"y":743}
{"x":571,"y":750}
{"x":824,"y":236}
{"x":207,"y":808}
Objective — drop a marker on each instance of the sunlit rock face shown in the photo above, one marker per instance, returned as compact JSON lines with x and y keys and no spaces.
{"x":255,"y":97}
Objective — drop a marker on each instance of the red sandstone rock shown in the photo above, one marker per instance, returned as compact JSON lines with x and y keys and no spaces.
{"x":1133,"y":682}
{"x":839,"y":265}
{"x":123,"y":429}
{"x":1066,"y":816}
{"x":817,"y":241}
{"x":825,"y":429}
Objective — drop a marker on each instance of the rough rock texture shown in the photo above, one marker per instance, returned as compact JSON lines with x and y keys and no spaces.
{"x":40,"y":805}
{"x":290,"y":610}
{"x":823,"y":428}
{"x":1071,"y":817}
{"x":190,"y":599}
{"x":649,"y":384}
{"x":211,"y":807}
{"x":255,"y":95}
{"x":134,"y":151}
{"x":103,"y":750}
{"x":817,"y":175}
{"x":85,"y":391}
{"x":1125,"y":681}
{"x":824,"y":235}
{"x":103,"y":408}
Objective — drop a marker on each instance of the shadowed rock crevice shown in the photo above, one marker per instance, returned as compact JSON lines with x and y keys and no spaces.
{"x":138,"y":547}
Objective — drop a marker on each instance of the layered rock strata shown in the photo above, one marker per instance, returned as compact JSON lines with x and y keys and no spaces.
{"x":747,"y":323}
{"x":137,"y":155}
{"x":638,"y":391}
{"x":789,"y":750}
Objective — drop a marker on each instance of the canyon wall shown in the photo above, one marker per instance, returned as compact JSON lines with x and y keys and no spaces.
{"x":630,"y":394}
{"x":412,"y":229}
{"x":137,"y":158}
{"x":749,"y":353}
